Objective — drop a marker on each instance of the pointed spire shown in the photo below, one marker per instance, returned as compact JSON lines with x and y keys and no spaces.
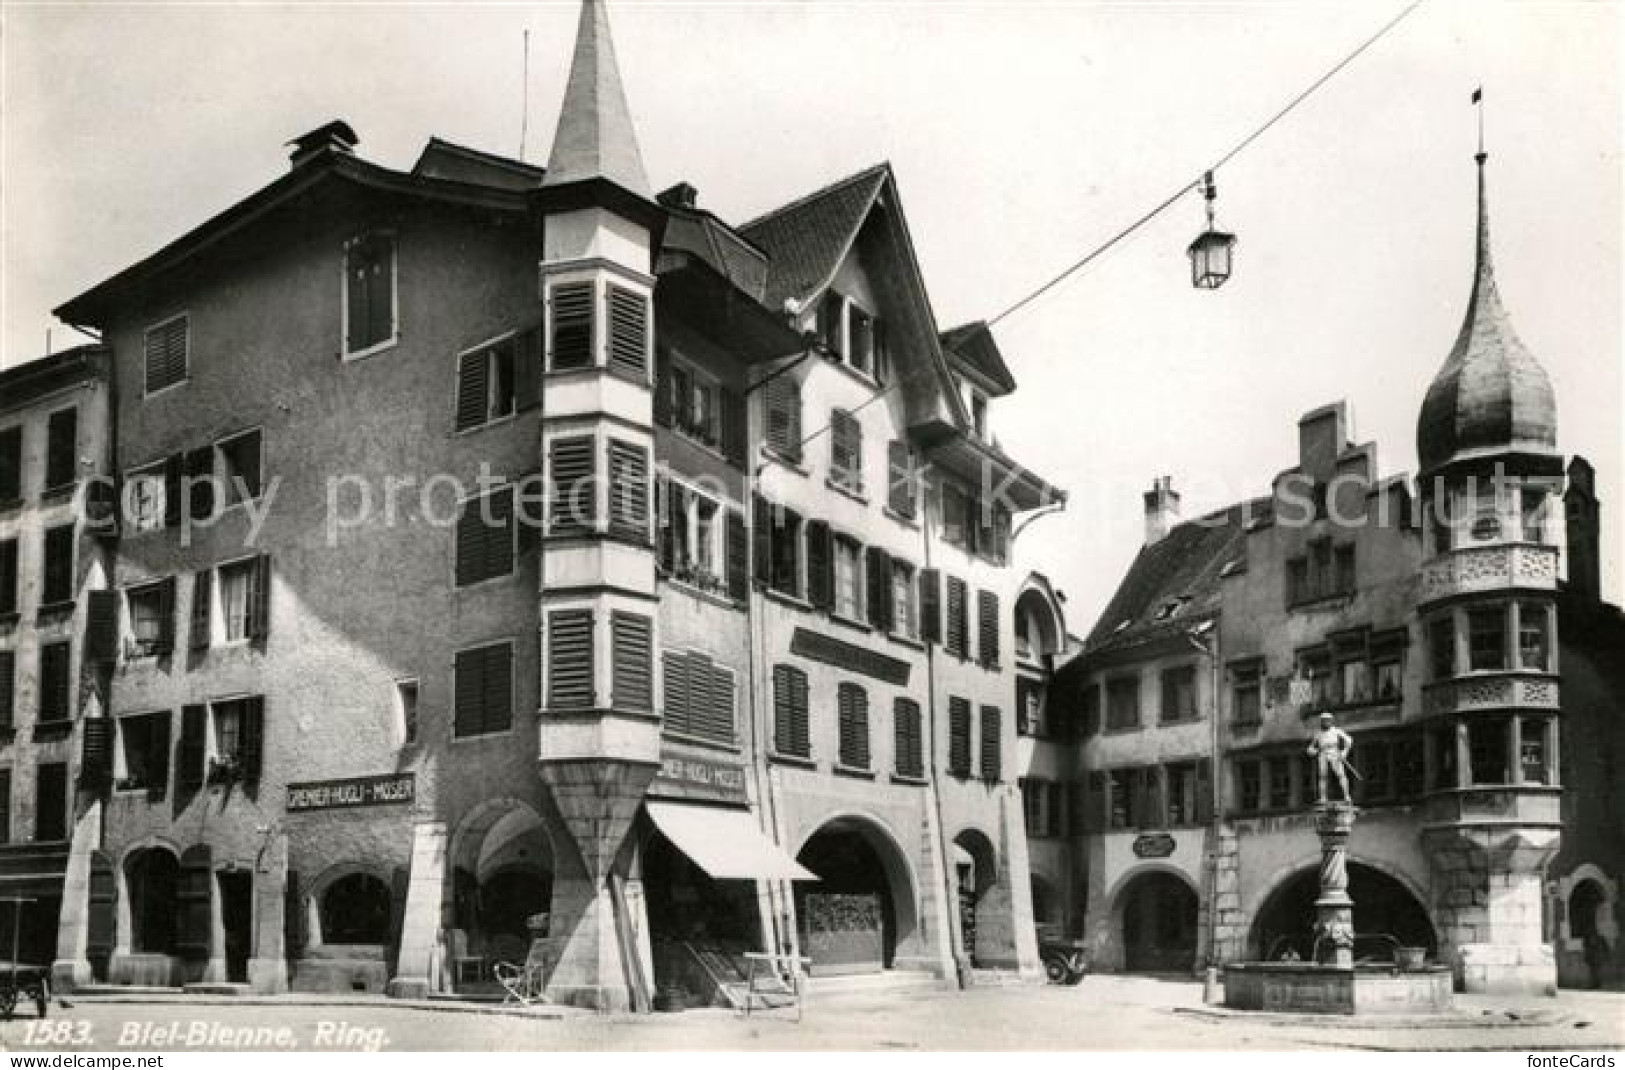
{"x":595,"y":137}
{"x":1484,"y":305}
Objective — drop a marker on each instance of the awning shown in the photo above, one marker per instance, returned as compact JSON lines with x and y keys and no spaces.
{"x":727,"y":844}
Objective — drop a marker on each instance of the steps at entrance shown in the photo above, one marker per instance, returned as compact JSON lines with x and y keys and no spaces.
{"x":216,"y":988}
{"x":992,"y":977}
{"x":888,"y":981}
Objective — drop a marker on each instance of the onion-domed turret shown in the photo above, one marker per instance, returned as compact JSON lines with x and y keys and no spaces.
{"x":1491,"y":397}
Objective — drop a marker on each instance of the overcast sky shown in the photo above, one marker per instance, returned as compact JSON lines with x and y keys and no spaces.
{"x":1022,"y":136}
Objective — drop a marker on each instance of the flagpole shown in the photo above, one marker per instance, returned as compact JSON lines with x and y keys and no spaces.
{"x":1478,"y":102}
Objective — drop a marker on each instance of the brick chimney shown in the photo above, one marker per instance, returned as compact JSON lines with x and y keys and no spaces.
{"x":1161,"y":509}
{"x":1583,"y":530}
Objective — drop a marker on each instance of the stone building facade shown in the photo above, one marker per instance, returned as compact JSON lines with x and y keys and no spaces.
{"x":55,"y":450}
{"x":1428,"y":623}
{"x":572,"y":577}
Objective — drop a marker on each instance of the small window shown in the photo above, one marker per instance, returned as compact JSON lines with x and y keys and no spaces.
{"x":1280,"y":783}
{"x":166,"y":347}
{"x":1181,"y":782}
{"x":145,"y":494}
{"x":1486,"y":639}
{"x":406,"y":710}
{"x":905,"y":617}
{"x":485,"y":385}
{"x":1532,"y":751}
{"x":236,"y":585}
{"x":240,"y":467}
{"x":860,"y":328}
{"x":1488,"y":750}
{"x":8,"y":576}
{"x":1343,"y":576}
{"x":1442,"y":647}
{"x":1123,"y":702}
{"x":62,"y":449}
{"x":147,"y":624}
{"x":832,"y":323}
{"x":11,"y":465}
{"x":785,"y":549}
{"x":56,"y":682}
{"x":1297,"y":580}
{"x":142,"y":760}
{"x":695,"y":404}
{"x":1247,"y":693}
{"x":1534,"y":644}
{"x":235,"y":744}
{"x":1250,"y":784}
{"x":1179,"y":694}
{"x":58,"y":565}
{"x":1533,"y":504}
{"x":369,"y":293}
{"x":848,"y":579}
{"x":978,"y":414}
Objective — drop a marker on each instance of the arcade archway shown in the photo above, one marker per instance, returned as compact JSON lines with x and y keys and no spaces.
{"x":501,"y":862}
{"x":1386,"y":914}
{"x":1155,"y":915}
{"x":984,"y":902}
{"x":863,"y":905}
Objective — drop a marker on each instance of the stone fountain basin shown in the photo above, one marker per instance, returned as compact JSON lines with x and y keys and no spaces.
{"x":1312,"y":988}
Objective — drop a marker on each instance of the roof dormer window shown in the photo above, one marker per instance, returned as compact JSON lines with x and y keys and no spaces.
{"x":978,"y":413}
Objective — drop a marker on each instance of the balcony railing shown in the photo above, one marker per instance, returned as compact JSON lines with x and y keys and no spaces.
{"x":1491,"y":691}
{"x":1490,"y":568}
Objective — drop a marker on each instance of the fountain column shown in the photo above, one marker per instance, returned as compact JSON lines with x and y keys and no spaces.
{"x":1334,"y":910}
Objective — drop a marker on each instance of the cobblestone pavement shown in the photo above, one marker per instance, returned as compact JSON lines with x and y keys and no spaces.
{"x":1113,"y":1013}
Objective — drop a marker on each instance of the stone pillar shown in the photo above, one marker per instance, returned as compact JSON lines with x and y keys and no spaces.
{"x":268,"y":964}
{"x":420,"y":923}
{"x":1334,"y":910}
{"x":1487,"y":899}
{"x":592,"y":951}
{"x":1223,"y":934}
{"x":1014,"y":877}
{"x":72,"y":966}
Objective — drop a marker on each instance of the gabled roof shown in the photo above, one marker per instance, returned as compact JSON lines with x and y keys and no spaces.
{"x":807,"y":239}
{"x":1175,"y":582}
{"x":973,"y":345}
{"x":21,"y":384}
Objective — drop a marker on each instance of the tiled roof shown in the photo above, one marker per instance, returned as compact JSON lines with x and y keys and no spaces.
{"x":1182,"y":570}
{"x":806,"y":239}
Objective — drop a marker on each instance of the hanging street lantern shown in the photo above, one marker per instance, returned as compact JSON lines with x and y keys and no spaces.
{"x":1210,"y":253}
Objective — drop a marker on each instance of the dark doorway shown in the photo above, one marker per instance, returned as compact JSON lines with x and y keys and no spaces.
{"x":1585,"y":905}
{"x":237,"y":919}
{"x":507,"y":900}
{"x":151,"y":877}
{"x":700,"y":928}
{"x":1386,"y":914}
{"x":847,"y":919}
{"x":355,"y":910}
{"x":51,"y":802}
{"x":1159,"y":924}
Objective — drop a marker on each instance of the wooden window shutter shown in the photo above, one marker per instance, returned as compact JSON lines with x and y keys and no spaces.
{"x":468,"y":714}
{"x":497,"y":683}
{"x":194,"y":912}
{"x":959,"y":736}
{"x":473,"y":389}
{"x":199,"y":638}
{"x":485,"y":538}
{"x":101,"y":626}
{"x":732,"y":405}
{"x":166,"y":617}
{"x":900,"y":494}
{"x":957,"y":640}
{"x":820,"y":565}
{"x":628,"y":330}
{"x":102,"y":917}
{"x":878,"y":571}
{"x":11,"y":465}
{"x":527,"y":369}
{"x":762,"y":538}
{"x":992,"y":727}
{"x":55,"y":700}
{"x":790,"y":728}
{"x":719,"y":720}
{"x":174,"y":471}
{"x":192,"y":752}
{"x":59,"y":575}
{"x":199,"y":472}
{"x":676,"y":693}
{"x":8,"y":689}
{"x":632,"y":661}
{"x":8,"y":576}
{"x":96,"y":752}
{"x":571,"y":342}
{"x":575,"y":500}
{"x":738,"y":546}
{"x":782,"y":408}
{"x":259,"y":599}
{"x":570,"y":659}
{"x":846,"y":450}
{"x":663,"y":387}
{"x":666,"y":504}
{"x":853,"y":703}
{"x":158,"y":756}
{"x":165,"y":354}
{"x":987,"y":615}
{"x":930,"y":605}
{"x":629,"y":490}
{"x":251,"y":754}
{"x":1204,"y":791}
{"x":909,"y":758}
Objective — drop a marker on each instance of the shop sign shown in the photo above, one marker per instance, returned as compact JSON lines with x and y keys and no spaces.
{"x":687,"y":777}
{"x":849,"y":656}
{"x":390,"y":789}
{"x":1153,"y":845}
